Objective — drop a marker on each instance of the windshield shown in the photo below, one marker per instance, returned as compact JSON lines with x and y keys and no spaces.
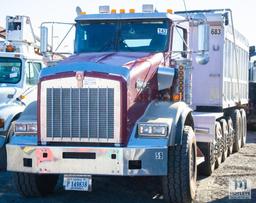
{"x":132,"y":35}
{"x":10,"y":70}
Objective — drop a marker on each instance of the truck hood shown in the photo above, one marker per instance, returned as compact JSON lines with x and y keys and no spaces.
{"x":110,"y":58}
{"x":117,"y":63}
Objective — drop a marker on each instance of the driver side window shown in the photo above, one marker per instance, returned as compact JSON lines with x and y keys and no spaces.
{"x":32,"y":72}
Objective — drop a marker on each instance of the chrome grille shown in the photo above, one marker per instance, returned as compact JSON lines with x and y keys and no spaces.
{"x":80,"y":113}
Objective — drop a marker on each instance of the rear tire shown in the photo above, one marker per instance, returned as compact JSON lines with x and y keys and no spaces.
{"x":230,"y":136}
{"x":244,"y":128}
{"x":34,"y":185}
{"x":237,"y":124}
{"x":218,"y":146}
{"x":179,"y":186}
{"x":207,"y":167}
{"x":224,"y":127}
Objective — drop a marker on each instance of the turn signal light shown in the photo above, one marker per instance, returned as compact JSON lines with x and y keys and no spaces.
{"x":169,"y":11}
{"x":10,"y":48}
{"x":22,"y":97}
{"x":82,"y":12}
{"x":176,"y":97}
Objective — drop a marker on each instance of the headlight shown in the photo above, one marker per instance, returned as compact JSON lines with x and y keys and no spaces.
{"x":1,"y":122}
{"x":152,"y":129}
{"x":25,"y":128}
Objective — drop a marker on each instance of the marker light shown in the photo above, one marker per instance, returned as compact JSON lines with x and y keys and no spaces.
{"x":169,"y":11}
{"x":132,"y":10}
{"x":10,"y":48}
{"x":113,"y":10}
{"x":122,"y":10}
{"x":82,"y":13}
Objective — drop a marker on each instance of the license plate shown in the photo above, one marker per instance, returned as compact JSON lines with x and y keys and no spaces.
{"x":79,"y":183}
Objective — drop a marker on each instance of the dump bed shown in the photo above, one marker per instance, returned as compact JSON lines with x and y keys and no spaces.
{"x":223,"y":81}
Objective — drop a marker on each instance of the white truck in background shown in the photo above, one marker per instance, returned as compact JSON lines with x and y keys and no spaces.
{"x":20,"y":65}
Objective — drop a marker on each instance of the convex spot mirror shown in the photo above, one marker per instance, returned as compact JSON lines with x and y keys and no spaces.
{"x":202,"y":56}
{"x":43,"y":39}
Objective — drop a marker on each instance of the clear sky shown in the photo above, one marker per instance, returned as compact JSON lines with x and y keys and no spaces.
{"x":244,"y":11}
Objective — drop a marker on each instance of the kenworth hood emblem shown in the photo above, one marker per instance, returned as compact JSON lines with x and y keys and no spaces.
{"x":80,"y":78}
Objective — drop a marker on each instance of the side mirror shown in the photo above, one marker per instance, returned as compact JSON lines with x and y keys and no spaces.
{"x":43,"y":39}
{"x":203,"y":44}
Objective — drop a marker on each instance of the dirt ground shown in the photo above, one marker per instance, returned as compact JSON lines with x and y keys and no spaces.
{"x":239,"y":168}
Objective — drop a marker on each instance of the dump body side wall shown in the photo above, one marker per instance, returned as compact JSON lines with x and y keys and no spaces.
{"x":215,"y":84}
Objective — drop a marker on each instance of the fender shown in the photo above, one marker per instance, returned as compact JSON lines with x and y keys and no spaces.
{"x":176,"y":115}
{"x":29,"y":114}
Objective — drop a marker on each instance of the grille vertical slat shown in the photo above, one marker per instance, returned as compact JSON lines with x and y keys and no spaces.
{"x":61,"y":134}
{"x":82,"y":113}
{"x":79,"y":112}
{"x":107,"y":114}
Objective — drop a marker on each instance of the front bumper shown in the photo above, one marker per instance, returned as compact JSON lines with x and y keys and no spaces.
{"x":139,"y":161}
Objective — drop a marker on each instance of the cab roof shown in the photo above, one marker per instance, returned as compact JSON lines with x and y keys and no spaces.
{"x":128,"y":16}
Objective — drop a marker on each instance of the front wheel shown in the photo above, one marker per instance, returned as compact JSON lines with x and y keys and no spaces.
{"x":179,"y":186}
{"x":34,"y":185}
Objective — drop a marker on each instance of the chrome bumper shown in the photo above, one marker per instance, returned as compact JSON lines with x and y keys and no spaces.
{"x":87,"y":160}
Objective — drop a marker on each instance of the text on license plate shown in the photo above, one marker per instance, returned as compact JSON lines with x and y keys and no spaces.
{"x":79,"y":183}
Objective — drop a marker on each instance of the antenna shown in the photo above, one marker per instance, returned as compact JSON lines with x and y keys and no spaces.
{"x":185,"y":6}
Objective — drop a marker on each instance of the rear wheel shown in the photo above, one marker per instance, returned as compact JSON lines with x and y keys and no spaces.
{"x":33,"y":185}
{"x":224,"y":127}
{"x":219,"y":145}
{"x":207,"y":167}
{"x":230,"y":136}
{"x":179,"y":186}
{"x":237,"y":124}
{"x":244,"y":127}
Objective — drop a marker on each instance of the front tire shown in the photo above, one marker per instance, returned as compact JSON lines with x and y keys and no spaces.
{"x":35,"y":185}
{"x":179,"y":186}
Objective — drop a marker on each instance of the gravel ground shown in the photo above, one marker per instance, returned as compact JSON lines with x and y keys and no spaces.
{"x":240,"y":166}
